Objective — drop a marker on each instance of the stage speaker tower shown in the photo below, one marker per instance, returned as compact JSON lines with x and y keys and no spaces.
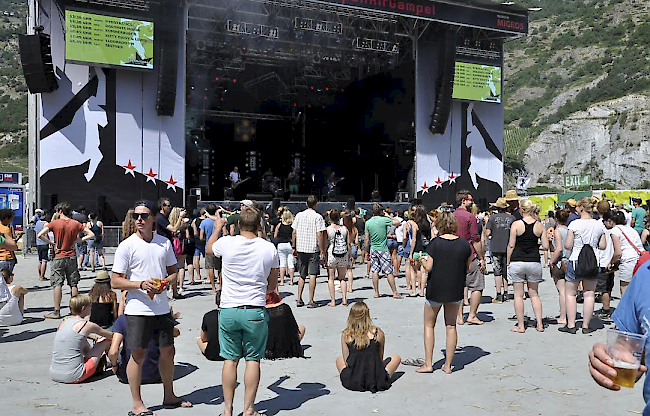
{"x":36,"y":59}
{"x":167,"y":35}
{"x":445,"y":85}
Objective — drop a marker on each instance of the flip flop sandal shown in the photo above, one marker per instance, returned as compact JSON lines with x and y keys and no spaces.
{"x":414,"y":362}
{"x":177,"y":405}
{"x":147,"y":413}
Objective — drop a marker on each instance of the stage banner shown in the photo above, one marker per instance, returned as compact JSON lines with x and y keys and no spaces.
{"x":101,"y":142}
{"x":471,"y":15}
{"x":469,"y":155}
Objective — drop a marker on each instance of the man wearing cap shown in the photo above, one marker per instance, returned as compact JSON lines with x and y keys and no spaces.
{"x":570,"y":205}
{"x":498,"y":228}
{"x":475,"y":280}
{"x":145,"y":264}
{"x":638,"y":214}
{"x":233,"y":220}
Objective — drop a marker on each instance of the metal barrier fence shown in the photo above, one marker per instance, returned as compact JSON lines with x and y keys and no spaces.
{"x":112,"y":237}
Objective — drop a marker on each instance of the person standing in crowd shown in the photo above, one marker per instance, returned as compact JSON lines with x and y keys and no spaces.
{"x":167,"y":229}
{"x":81,"y":247}
{"x":449,"y":259}
{"x":7,"y":257}
{"x":512,"y":198}
{"x":407,"y":243}
{"x":605,"y":283}
{"x":309,"y":242}
{"x":66,"y":233}
{"x":362,"y":366}
{"x":498,"y":230}
{"x":207,"y":228}
{"x":128,"y":225}
{"x":199,"y":247}
{"x":97,"y":244}
{"x":145,"y":264}
{"x":627,"y":249}
{"x":524,"y":264}
{"x":392,"y":242}
{"x":354,"y":241}
{"x":638,"y":215}
{"x":338,"y":256}
{"x":570,"y":205}
{"x":180,"y":241}
{"x":73,"y":360}
{"x":475,"y":280}
{"x":360,"y":225}
{"x":42,"y":247}
{"x":283,"y":235}
{"x":421,"y":232}
{"x":559,"y":261}
{"x":250,"y":271}
{"x":582,"y":232}
{"x":377,"y":245}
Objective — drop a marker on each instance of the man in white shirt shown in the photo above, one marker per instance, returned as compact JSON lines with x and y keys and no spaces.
{"x":250,"y":270}
{"x":234,"y":176}
{"x":145,"y":265}
{"x":308,"y":241}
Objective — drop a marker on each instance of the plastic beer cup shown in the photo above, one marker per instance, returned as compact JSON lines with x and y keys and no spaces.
{"x":626,"y":349}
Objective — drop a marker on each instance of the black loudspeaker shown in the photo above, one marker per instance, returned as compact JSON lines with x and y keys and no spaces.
{"x":167,"y":39}
{"x":445,"y":87}
{"x":192,"y":201}
{"x":351,"y":204}
{"x":36,"y":59}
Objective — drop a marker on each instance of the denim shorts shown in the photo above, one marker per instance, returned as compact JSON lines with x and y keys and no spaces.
{"x":8,"y":265}
{"x":392,"y":244}
{"x":199,"y":251}
{"x":438,"y":304}
{"x":571,"y":272}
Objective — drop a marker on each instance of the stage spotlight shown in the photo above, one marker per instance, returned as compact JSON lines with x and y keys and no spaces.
{"x":222,"y":99}
{"x":295,"y":104}
{"x":205,"y":98}
{"x":341,"y":89}
{"x":308,"y":105}
{"x":234,"y":80}
{"x":327,"y":88}
{"x":311,"y":88}
{"x":216,"y":79}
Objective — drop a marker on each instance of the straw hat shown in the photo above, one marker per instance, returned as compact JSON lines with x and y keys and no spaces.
{"x":511,"y":195}
{"x":501,"y":203}
{"x":571,"y":202}
{"x":102,"y":277}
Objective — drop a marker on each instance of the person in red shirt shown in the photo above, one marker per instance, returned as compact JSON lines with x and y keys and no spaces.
{"x":64,"y":265}
{"x":475,"y":281}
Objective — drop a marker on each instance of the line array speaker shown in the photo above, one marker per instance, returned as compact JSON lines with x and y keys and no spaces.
{"x":167,"y":28}
{"x":445,"y":85}
{"x":36,"y":59}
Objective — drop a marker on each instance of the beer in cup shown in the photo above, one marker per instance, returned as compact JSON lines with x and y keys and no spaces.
{"x":626,"y":349}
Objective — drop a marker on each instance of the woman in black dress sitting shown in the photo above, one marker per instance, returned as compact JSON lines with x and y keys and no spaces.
{"x":448,"y":260}
{"x":362,"y":366}
{"x":103,"y":310}
{"x":284,"y":332}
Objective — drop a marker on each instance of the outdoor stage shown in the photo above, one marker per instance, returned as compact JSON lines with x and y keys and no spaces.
{"x":361,"y":89}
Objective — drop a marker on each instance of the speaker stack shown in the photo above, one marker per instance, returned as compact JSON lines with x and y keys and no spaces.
{"x":36,"y":59}
{"x":167,"y":35}
{"x":445,"y":86}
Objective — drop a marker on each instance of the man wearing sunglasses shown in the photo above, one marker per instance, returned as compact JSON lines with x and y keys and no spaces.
{"x":145,"y":265}
{"x":475,"y":280}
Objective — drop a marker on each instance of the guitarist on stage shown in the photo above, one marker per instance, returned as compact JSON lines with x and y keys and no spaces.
{"x":234,"y":177}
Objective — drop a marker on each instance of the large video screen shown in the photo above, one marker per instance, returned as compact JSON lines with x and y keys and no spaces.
{"x":108,"y":41}
{"x":477,"y":82}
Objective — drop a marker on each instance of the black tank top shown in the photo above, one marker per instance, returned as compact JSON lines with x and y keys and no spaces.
{"x":285,"y":233}
{"x":360,"y":225}
{"x":96,"y":229}
{"x":527,"y":245}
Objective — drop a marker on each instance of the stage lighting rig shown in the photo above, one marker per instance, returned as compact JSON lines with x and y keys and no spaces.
{"x":376,"y":45}
{"x":319,"y":26}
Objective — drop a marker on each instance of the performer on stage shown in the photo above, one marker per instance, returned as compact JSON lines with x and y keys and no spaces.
{"x":293,"y":180}
{"x":234,"y":177}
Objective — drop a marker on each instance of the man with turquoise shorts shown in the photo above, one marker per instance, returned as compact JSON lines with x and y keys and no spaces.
{"x":250,"y":269}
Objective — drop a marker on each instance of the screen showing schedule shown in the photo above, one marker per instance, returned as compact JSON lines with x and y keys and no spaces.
{"x":477,"y":82}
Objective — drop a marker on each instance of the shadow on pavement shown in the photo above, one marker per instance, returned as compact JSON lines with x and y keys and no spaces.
{"x":211,"y":396}
{"x":290,"y":399}
{"x":26,"y":335}
{"x":183,"y":369}
{"x":464,"y":356}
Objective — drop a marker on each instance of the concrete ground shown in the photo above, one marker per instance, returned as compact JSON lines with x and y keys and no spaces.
{"x":496,"y":372}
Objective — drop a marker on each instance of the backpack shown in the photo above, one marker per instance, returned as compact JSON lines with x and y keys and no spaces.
{"x":340,"y":248}
{"x":179,"y":245}
{"x":587,"y":267}
{"x":643,"y":255}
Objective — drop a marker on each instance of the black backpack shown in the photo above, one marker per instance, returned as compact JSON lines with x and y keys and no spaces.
{"x":340,"y":248}
{"x":587,"y":267}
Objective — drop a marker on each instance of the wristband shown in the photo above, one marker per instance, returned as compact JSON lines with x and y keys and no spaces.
{"x":141,"y":283}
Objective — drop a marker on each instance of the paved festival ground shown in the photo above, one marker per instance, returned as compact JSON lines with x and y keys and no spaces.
{"x":496,"y":372}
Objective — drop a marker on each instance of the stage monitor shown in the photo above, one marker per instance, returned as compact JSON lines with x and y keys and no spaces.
{"x":102,"y":40}
{"x":476,"y":82}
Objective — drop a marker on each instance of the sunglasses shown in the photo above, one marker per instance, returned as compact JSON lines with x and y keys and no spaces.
{"x":137,"y":215}
{"x":166,"y":205}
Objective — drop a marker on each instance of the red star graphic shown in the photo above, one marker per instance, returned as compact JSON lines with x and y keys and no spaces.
{"x":425,"y":188}
{"x":438,"y":183}
{"x":129,"y":169}
{"x":452,"y":178}
{"x":171,"y":183}
{"x":151,"y":176}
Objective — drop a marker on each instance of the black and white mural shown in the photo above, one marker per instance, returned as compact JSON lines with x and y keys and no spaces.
{"x":102,"y":145}
{"x":469,"y":155}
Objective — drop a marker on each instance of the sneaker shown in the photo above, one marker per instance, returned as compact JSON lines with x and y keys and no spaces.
{"x":504,"y":297}
{"x":497,"y":299}
{"x":603,"y":313}
{"x":52,"y":315}
{"x":588,"y":330}
{"x":568,"y":330}
{"x":580,"y":298}
{"x":300,"y":303}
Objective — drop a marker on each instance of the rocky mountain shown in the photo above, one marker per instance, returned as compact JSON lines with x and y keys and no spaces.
{"x":13,"y":91}
{"x":577,"y":92}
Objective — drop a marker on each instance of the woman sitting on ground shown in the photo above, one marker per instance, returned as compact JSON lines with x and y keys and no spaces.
{"x":73,"y":360}
{"x":449,"y":258}
{"x":284,"y":332}
{"x":208,"y":342}
{"x":362,"y":366}
{"x":103,"y":310}
{"x":12,"y":300}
